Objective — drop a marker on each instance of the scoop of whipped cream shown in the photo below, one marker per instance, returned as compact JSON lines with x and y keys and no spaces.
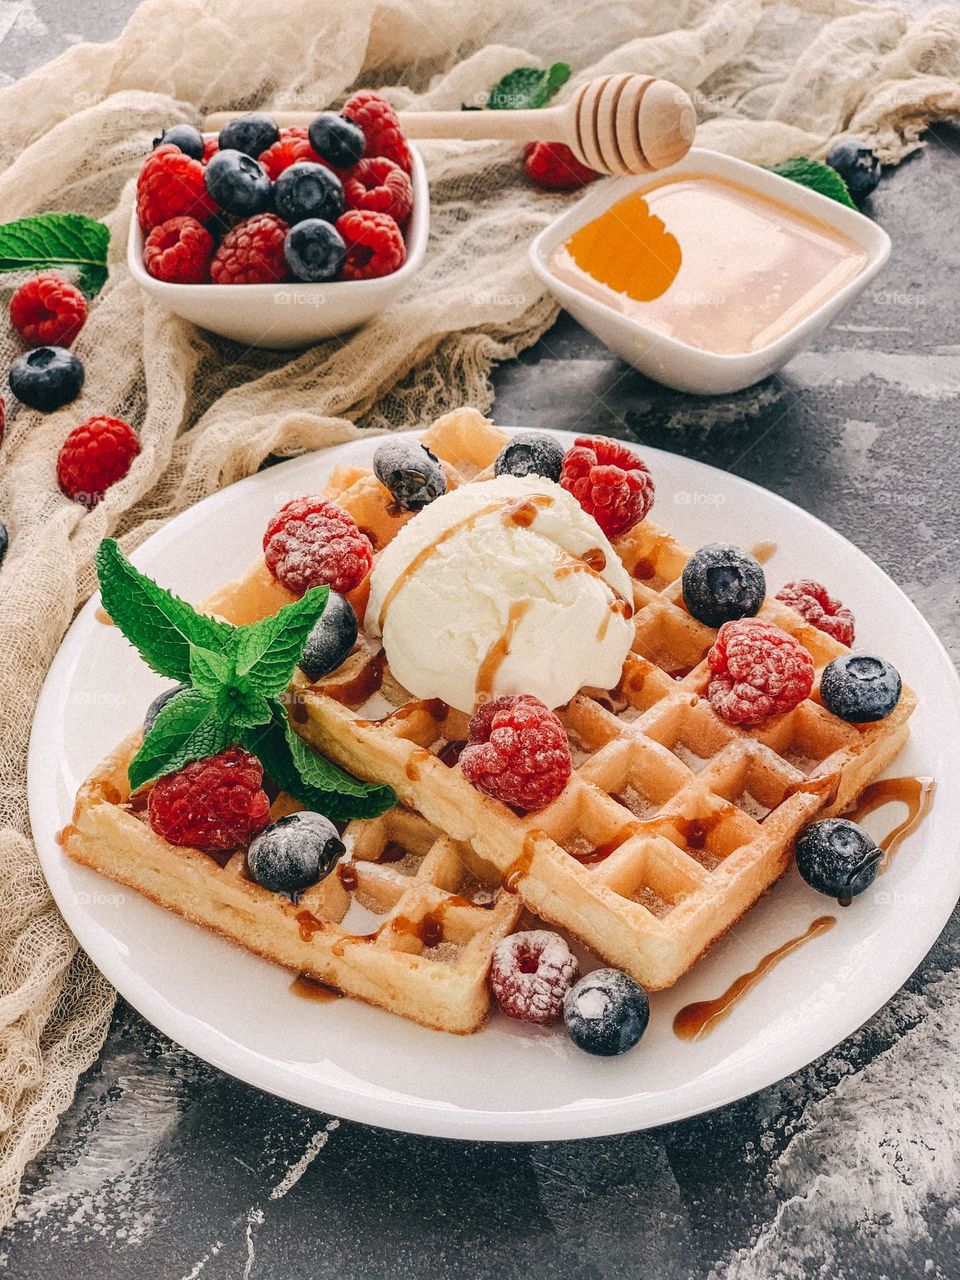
{"x":504,"y":586}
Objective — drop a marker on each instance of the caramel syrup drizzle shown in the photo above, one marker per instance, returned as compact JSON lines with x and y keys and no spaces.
{"x":495,"y":655}
{"x":308,"y":988}
{"x":698,"y":1019}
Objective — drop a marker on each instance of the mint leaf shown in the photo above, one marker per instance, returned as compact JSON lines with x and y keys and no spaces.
{"x":268,"y":651}
{"x":273,"y":746}
{"x":57,"y":240}
{"x":160,"y":625}
{"x":187,"y":729}
{"x":241,"y":704}
{"x":528,"y":87}
{"x":209,"y":671}
{"x":816,"y":176}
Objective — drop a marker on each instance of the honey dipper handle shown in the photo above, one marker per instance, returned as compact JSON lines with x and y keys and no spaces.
{"x":539,"y":125}
{"x":514,"y":126}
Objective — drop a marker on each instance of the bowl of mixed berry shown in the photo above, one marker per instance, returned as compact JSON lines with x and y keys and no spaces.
{"x":281,"y":237}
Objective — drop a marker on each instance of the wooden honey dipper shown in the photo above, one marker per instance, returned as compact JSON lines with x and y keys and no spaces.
{"x":616,"y":124}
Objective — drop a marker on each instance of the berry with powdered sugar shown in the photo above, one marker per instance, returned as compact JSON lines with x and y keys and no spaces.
{"x":311,"y":542}
{"x":531,"y":974}
{"x":813,"y":602}
{"x":606,"y":1013}
{"x":759,"y":671}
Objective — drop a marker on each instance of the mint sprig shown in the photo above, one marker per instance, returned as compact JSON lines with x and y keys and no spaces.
{"x":528,"y":87}
{"x":321,"y":785}
{"x":57,"y":240}
{"x":815,"y":175}
{"x":234,"y":677}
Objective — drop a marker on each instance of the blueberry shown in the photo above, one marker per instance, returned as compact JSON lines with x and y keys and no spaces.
{"x":308,"y":190}
{"x":860,"y":687}
{"x":46,"y":378}
{"x":157,"y":705}
{"x":314,"y":250}
{"x":530,"y":454}
{"x":336,"y":139}
{"x":606,"y":1012}
{"x":721,"y":582}
{"x":4,"y":542}
{"x":294,"y":852}
{"x":251,"y":134}
{"x":238,"y":183}
{"x":333,"y":636}
{"x":857,"y":165}
{"x":410,"y":471}
{"x":184,"y":136}
{"x":838,"y":858}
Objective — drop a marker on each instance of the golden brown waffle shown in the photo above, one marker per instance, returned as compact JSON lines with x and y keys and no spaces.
{"x":427,"y":928}
{"x":674,"y":821}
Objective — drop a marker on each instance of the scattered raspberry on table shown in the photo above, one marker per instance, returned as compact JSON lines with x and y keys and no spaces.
{"x":610,"y":482}
{"x":213,"y":804}
{"x":554,"y":166}
{"x":759,"y":671}
{"x":95,"y":455}
{"x":48,"y":311}
{"x":179,"y":251}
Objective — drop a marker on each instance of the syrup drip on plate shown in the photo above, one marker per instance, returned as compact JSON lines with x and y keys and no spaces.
{"x":698,"y":1019}
{"x":308,"y":988}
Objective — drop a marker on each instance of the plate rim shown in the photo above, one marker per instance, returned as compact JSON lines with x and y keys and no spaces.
{"x":585,"y":1118}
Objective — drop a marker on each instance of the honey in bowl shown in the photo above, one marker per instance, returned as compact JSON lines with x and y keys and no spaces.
{"x":709,"y":262}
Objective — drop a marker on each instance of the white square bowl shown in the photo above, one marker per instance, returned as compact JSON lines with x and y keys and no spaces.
{"x":677,"y":364}
{"x":291,"y":313}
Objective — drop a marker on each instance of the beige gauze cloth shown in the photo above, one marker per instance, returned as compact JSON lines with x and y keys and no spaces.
{"x":769,"y":82}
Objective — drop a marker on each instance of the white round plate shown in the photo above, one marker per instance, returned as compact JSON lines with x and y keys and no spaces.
{"x":509,"y":1082}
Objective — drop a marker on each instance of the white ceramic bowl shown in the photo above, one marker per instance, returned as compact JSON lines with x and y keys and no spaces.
{"x":291,"y":314}
{"x":677,"y":364}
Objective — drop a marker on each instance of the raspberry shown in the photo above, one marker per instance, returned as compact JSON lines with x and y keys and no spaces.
{"x":609,"y":481}
{"x":170,"y":185}
{"x":813,"y":602}
{"x":294,"y":145}
{"x":95,"y":455}
{"x":48,"y":311}
{"x":210,"y":148}
{"x":554,"y":166}
{"x":759,"y":671}
{"x":374,"y":244}
{"x":252,"y":253}
{"x":517,"y":752}
{"x":530,"y":975}
{"x":312,"y":541}
{"x":179,"y":251}
{"x":213,"y":804}
{"x":379,"y":186}
{"x":381,"y":127}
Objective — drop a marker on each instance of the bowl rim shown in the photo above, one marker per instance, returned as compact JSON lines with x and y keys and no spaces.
{"x":866,"y":233}
{"x":417,"y":234}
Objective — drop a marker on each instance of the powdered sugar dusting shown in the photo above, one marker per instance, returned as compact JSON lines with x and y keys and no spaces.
{"x":866,"y":1159}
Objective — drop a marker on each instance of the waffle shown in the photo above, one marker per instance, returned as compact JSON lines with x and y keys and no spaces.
{"x":674,"y":822}
{"x":426,"y":930}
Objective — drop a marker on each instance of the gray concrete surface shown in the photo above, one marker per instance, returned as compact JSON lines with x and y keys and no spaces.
{"x":165,"y":1168}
